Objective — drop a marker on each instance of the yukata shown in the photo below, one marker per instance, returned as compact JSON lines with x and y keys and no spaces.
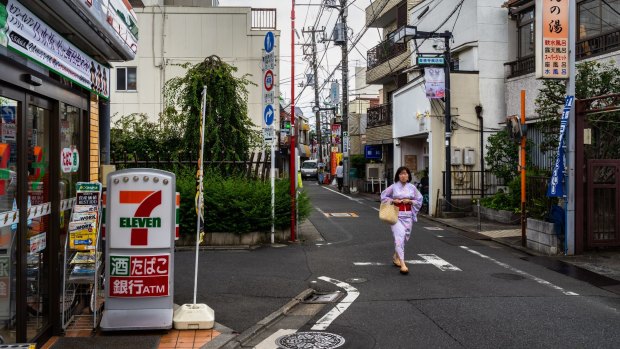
{"x":402,"y":229}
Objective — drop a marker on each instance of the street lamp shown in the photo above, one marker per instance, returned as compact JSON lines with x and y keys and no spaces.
{"x":406,"y":33}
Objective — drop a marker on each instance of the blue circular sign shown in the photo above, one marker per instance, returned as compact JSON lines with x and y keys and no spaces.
{"x":268,"y":115}
{"x":270,"y":41}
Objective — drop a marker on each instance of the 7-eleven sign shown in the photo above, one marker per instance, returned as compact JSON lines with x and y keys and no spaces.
{"x":142,"y":212}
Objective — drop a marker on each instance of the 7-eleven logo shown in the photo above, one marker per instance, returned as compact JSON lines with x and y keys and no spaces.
{"x":141,"y":221}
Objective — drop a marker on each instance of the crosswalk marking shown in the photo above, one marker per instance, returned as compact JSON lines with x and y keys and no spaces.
{"x":351,"y":296}
{"x":432,"y":259}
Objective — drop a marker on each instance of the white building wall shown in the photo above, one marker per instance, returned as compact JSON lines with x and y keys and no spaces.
{"x":176,"y":35}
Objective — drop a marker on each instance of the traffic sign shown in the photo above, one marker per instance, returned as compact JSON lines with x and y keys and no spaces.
{"x":270,"y":41}
{"x":268,"y":80}
{"x":422,"y":60}
{"x":268,"y":134}
{"x":269,"y":61}
{"x":268,"y":115}
{"x":268,"y":97}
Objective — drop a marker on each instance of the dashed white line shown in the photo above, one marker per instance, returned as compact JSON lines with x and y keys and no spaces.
{"x":529,"y":276}
{"x":328,"y":318}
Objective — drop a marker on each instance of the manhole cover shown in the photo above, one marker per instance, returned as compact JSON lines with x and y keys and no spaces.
{"x":310,"y":340}
{"x":507,"y":276}
{"x":356,"y":280}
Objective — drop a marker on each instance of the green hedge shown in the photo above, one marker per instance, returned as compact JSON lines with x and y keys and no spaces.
{"x":237,"y":205}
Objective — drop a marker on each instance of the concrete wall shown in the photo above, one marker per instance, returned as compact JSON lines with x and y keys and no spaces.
{"x":176,"y":35}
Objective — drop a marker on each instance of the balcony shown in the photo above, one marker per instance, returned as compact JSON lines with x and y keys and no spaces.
{"x":386,"y":60}
{"x":263,"y":19}
{"x":379,"y":116}
{"x":522,"y":66}
{"x":598,"y":45}
{"x":382,"y":13}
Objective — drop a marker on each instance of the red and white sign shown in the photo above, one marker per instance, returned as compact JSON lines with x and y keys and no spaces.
{"x":139,"y":276}
{"x":552,"y":28}
{"x":268,"y":80}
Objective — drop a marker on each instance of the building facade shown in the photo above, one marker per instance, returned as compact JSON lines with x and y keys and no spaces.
{"x":479,"y":48}
{"x":54,"y":102}
{"x":188,"y":32}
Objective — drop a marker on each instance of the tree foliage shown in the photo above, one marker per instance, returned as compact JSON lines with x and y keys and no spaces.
{"x":229,"y":132}
{"x":135,"y":134}
{"x":593,"y":79}
{"x":502,"y":156}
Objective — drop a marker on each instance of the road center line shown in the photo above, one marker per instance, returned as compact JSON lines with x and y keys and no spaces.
{"x":328,"y":318}
{"x":529,"y":276}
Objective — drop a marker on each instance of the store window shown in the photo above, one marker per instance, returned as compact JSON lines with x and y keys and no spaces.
{"x":9,"y":110}
{"x":598,"y":17}
{"x":126,"y":79}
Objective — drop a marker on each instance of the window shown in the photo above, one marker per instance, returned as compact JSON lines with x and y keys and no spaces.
{"x":126,"y":79}
{"x":597,"y":17}
{"x":527,"y":35}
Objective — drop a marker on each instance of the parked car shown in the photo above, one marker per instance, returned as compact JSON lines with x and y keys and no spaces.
{"x":309,"y":169}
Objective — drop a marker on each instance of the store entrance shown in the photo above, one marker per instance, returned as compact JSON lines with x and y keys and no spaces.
{"x":26,"y":224}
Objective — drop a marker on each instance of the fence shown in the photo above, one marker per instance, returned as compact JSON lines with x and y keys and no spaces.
{"x":469,"y":183}
{"x":256,"y":167}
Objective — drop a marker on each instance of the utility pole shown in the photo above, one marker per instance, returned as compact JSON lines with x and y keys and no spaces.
{"x":448,"y":117}
{"x":316,"y":108}
{"x":293,"y":157}
{"x":345,"y":93}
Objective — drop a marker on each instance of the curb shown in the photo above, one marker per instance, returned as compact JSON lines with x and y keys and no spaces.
{"x":237,"y":341}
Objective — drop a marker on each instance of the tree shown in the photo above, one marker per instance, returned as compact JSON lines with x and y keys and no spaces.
{"x":229,"y":132}
{"x":593,"y":79}
{"x":502,"y":156}
{"x":134,"y":133}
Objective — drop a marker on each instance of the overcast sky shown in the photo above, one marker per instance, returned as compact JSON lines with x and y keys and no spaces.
{"x":305,"y":17}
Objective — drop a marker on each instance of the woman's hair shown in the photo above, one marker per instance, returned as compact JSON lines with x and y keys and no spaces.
{"x":401,"y":169}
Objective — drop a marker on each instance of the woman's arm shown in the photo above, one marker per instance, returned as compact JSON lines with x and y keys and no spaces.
{"x":386,"y":195}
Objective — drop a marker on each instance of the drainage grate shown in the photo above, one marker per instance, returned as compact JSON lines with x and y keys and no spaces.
{"x":310,"y":340}
{"x":323,"y":298}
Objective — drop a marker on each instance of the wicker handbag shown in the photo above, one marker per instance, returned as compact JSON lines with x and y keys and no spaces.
{"x":388,"y":213}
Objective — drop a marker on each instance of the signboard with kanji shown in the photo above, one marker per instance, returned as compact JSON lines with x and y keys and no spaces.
{"x":140,"y":232}
{"x":552,"y":27}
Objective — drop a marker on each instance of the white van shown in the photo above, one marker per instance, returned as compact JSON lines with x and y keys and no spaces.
{"x":309,"y":169}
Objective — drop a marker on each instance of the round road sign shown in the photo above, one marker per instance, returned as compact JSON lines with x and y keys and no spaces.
{"x":268,"y":115}
{"x":268,"y":80}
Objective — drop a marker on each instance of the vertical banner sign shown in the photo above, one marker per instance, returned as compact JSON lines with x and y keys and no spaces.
{"x":334,"y":93}
{"x":435,"y":82}
{"x":140,"y":233}
{"x":555,"y":187}
{"x":336,"y":128}
{"x":268,"y":83}
{"x":552,"y":39}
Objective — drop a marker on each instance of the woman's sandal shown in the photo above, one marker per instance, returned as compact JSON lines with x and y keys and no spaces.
{"x":396,"y":261}
{"x":404,"y":270}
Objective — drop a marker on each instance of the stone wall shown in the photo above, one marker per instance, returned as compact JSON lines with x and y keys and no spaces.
{"x":541,"y":237}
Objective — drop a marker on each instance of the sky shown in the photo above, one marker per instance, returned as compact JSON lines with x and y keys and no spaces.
{"x":305,"y":17}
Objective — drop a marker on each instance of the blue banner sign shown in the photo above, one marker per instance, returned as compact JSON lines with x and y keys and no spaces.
{"x":555,"y":187}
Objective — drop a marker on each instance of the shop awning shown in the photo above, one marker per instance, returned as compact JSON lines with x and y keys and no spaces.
{"x":304,"y":150}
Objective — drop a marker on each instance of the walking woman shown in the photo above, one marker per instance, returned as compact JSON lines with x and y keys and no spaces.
{"x":408,"y":199}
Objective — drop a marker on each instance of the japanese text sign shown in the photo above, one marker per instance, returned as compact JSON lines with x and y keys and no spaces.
{"x":139,"y":276}
{"x":552,"y":29}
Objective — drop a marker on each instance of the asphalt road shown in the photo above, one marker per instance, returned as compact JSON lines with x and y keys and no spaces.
{"x":484,"y":295}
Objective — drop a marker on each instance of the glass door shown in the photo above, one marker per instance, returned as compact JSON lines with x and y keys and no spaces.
{"x":39,"y":209}
{"x":10,"y":111}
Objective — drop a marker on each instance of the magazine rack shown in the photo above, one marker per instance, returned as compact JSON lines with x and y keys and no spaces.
{"x":82,"y":294}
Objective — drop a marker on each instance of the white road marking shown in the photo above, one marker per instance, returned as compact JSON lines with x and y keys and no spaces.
{"x":529,"y":276}
{"x":323,"y":244}
{"x":339,"y":193}
{"x":432,"y":259}
{"x":433,"y":228}
{"x":328,"y":318}
{"x":270,"y":342}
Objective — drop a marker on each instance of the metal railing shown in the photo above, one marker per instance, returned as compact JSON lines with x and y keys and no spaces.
{"x":522,"y":66}
{"x":469,"y":183}
{"x":383,"y":52}
{"x":598,"y":45}
{"x":263,"y":18}
{"x":379,"y":116}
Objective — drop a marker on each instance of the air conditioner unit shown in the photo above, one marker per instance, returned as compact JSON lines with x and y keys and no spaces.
{"x":469,"y":157}
{"x":457,"y":156}
{"x":374,"y":171}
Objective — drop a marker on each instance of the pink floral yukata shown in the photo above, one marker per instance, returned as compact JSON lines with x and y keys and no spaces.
{"x":402,"y":229}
